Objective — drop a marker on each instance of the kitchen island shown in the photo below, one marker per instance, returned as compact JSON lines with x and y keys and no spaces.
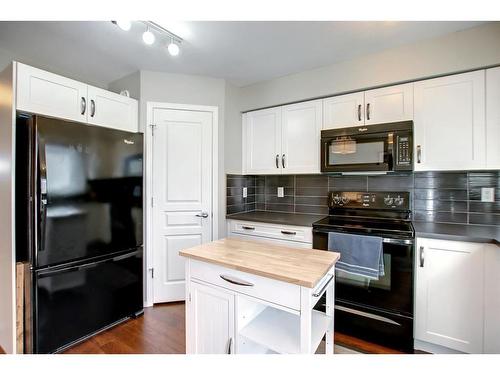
{"x":246,"y":296}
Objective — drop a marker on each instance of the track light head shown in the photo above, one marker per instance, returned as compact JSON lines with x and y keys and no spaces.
{"x":148,"y":37}
{"x":173,"y":48}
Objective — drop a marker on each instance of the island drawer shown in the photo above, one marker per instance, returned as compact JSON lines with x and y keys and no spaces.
{"x":275,"y":291}
{"x":277,"y":231}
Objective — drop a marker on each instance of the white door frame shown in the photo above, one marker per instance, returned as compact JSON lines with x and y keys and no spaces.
{"x":148,"y":147}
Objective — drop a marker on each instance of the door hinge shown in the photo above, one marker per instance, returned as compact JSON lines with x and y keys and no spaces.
{"x":189,"y":296}
{"x":152,"y":202}
{"x":152,"y":272}
{"x":153,"y":127}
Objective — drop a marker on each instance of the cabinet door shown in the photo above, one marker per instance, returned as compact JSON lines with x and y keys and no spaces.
{"x":493,"y":118}
{"x":389,"y":104}
{"x":449,"y":127}
{"x":492,"y":299}
{"x":301,"y":136}
{"x":449,"y":294}
{"x":111,"y":110}
{"x":49,"y":94}
{"x":262,"y":141}
{"x":211,"y":320}
{"x":343,"y":111}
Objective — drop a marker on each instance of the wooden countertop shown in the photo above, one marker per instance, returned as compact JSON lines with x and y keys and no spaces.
{"x":305,"y":267}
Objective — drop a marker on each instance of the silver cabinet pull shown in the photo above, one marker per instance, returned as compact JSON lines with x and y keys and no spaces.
{"x":277,"y":161}
{"x":419,"y":154}
{"x":359,"y":112}
{"x":83,"y":105}
{"x":92,"y":107}
{"x":229,"y":345}
{"x":234,"y":280}
{"x":247,"y":228}
{"x":323,"y":288}
{"x":362,"y":129}
{"x":368,"y":111}
{"x":203,"y":215}
{"x":288,"y":232}
{"x":422,"y":257}
{"x":283,"y":160}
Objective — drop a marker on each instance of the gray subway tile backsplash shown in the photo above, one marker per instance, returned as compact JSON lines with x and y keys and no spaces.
{"x":448,"y":197}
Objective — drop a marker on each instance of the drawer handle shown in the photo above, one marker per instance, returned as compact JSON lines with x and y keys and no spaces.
{"x":235,"y":281}
{"x":288,"y":232}
{"x":324,"y":287}
{"x":247,"y":228}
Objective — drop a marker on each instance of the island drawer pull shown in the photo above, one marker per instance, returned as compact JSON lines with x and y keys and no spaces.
{"x":288,"y":232}
{"x":234,"y":280}
{"x":247,"y":228}
{"x":324,"y":287}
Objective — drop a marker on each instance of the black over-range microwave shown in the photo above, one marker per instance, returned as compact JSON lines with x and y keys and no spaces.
{"x":382,"y":147}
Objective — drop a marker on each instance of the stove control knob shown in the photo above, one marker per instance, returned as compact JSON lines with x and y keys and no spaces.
{"x":345,"y":200}
{"x":398,"y":201}
{"x":336,"y":199}
{"x":388,"y":201}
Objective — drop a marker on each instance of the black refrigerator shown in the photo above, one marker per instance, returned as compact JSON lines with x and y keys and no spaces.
{"x":79,"y":228}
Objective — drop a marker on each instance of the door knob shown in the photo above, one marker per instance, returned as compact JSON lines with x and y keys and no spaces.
{"x":203,"y":215}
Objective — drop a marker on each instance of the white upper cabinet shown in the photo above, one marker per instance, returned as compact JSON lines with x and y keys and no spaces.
{"x":49,"y":94}
{"x":111,"y":110}
{"x":450,"y":294}
{"x":493,"y":118}
{"x":301,"y":135}
{"x":262,"y":141}
{"x":389,"y":104}
{"x":344,"y":111}
{"x":449,"y":124}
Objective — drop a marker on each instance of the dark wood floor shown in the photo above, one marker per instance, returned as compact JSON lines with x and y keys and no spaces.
{"x":161,"y":331}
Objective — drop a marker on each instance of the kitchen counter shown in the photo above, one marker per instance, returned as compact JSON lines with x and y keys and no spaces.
{"x":304,"y":267}
{"x":285,"y":218}
{"x":458,"y":232}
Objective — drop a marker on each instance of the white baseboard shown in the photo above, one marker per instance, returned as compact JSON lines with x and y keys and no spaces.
{"x":433,"y":348}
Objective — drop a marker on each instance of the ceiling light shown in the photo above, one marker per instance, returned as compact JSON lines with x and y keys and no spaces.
{"x":173,"y":48}
{"x":124,"y":25}
{"x":148,"y":37}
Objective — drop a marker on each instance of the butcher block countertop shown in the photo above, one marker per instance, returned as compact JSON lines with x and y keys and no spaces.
{"x":304,"y":267}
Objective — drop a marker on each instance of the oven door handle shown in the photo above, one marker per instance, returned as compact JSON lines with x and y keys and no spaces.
{"x":395,"y":241}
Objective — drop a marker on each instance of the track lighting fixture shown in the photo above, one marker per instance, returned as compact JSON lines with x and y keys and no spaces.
{"x":148,"y":37}
{"x":173,"y":48}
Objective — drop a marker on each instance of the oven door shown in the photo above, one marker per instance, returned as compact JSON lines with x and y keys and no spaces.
{"x":392,"y":292}
{"x":357,"y":153}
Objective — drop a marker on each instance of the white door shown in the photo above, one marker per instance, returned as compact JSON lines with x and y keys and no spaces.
{"x":262,"y":141}
{"x":492,"y":299}
{"x":344,"y":111}
{"x":449,"y":125}
{"x":211,"y":315}
{"x":301,"y":136}
{"x":50,"y":94}
{"x":493,"y":118}
{"x":182,"y":194}
{"x":389,"y":104}
{"x":112,"y":110}
{"x":449,"y":294}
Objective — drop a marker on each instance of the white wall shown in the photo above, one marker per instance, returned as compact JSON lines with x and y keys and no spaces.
{"x":469,"y":49}
{"x":232,"y":130}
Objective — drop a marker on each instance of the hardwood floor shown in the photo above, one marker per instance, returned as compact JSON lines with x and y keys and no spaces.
{"x":161,"y":331}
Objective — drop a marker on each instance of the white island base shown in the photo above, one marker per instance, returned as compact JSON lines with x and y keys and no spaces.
{"x":256,"y":311}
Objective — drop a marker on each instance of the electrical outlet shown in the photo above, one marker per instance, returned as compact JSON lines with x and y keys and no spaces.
{"x":487,"y":194}
{"x":281,"y":192}
{"x":245,"y":192}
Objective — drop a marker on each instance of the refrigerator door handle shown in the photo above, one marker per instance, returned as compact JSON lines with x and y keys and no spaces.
{"x":43,"y":192}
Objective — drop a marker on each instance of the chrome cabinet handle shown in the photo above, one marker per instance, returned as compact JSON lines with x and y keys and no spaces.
{"x":83,"y":105}
{"x":362,"y":129}
{"x":283,"y":160}
{"x":247,"y":228}
{"x":92,"y":107}
{"x":234,"y":280}
{"x":419,"y":154}
{"x":203,"y":215}
{"x":323,"y":288}
{"x":359,"y":112}
{"x":229,"y":345}
{"x":288,"y":232}
{"x":277,"y":161}
{"x":422,"y":258}
{"x":368,"y":111}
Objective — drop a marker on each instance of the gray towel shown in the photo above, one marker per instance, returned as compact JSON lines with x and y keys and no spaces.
{"x":359,"y":255}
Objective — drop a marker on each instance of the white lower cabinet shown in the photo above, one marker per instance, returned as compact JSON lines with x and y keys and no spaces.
{"x":458,"y":295}
{"x":212,"y":320}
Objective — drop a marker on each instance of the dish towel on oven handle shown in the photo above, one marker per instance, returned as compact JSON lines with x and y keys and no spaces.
{"x":359,"y":255}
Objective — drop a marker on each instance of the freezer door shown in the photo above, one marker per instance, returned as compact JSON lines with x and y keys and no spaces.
{"x":74,"y":302}
{"x":89,"y":200}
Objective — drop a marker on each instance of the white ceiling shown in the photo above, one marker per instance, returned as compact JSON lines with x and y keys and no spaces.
{"x":241,"y":52}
